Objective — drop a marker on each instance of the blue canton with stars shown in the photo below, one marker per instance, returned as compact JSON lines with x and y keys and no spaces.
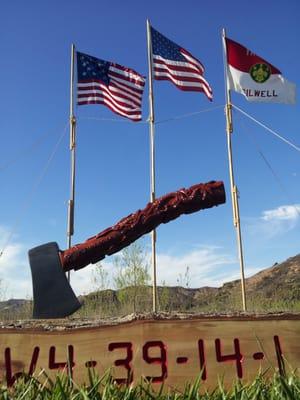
{"x":165,"y":48}
{"x":89,"y":68}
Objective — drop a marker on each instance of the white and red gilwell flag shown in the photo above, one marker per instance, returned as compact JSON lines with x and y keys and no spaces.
{"x":255,"y":78}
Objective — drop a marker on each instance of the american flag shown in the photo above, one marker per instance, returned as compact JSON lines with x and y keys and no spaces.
{"x":108,"y":83}
{"x":172,"y":62}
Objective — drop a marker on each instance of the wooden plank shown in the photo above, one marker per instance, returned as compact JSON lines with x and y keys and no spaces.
{"x":173,"y":351}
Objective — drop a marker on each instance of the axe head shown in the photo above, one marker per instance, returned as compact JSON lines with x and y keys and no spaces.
{"x":53,"y":296}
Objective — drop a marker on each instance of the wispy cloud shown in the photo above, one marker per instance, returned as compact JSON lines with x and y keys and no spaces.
{"x":282,"y":213}
{"x":275,"y":222}
{"x":208,"y":266}
{"x":14,"y":267}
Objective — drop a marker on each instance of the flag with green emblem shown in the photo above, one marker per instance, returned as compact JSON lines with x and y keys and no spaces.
{"x":255,"y":78}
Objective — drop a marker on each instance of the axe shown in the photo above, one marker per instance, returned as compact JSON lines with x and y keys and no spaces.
{"x":53,"y":296}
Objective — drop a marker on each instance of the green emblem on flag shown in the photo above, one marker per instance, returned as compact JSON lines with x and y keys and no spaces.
{"x":260,"y":73}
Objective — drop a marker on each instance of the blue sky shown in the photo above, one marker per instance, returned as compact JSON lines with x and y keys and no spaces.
{"x":113,"y":153}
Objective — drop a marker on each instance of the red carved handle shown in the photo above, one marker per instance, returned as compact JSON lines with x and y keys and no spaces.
{"x":132,"y":227}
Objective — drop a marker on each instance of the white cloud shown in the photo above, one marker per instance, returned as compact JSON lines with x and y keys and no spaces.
{"x":14,"y":267}
{"x":282,"y":213}
{"x":274,"y":222}
{"x":208,"y":266}
{"x":82,"y":280}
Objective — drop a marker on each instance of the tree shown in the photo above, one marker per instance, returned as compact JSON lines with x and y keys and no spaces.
{"x":100,"y":278}
{"x":132,"y":274}
{"x":164,"y":298}
{"x":3,"y":289}
{"x":184,"y":281}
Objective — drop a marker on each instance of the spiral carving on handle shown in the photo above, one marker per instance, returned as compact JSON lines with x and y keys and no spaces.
{"x":132,"y":227}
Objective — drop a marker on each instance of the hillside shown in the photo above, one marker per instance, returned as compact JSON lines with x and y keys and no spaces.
{"x":273,"y":289}
{"x":279,"y":282}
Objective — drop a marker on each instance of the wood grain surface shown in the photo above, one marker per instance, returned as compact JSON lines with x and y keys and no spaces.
{"x":175,"y":351}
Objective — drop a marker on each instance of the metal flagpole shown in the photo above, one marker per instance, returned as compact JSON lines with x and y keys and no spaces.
{"x":70,"y":228}
{"x":152,"y":163}
{"x":234,"y":190}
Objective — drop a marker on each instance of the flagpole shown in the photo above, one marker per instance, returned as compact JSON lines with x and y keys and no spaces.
{"x":70,"y":227}
{"x":234,"y":190}
{"x":152,"y":164}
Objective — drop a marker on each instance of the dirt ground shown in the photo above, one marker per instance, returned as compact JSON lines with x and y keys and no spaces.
{"x":75,"y":323}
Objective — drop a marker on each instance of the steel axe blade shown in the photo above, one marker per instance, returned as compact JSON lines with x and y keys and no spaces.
{"x":52,"y":294}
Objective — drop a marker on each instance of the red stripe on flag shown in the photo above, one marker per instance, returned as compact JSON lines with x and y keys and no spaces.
{"x":97,"y":92}
{"x":183,"y":78}
{"x":133,"y":116}
{"x":108,"y":95}
{"x":186,"y":88}
{"x":158,"y":62}
{"x":124,"y":86}
{"x":113,"y":90}
{"x":192,"y":59}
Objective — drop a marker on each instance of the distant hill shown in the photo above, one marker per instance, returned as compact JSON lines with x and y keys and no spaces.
{"x":273,"y":289}
{"x":15,"y":309}
{"x":276,"y":288}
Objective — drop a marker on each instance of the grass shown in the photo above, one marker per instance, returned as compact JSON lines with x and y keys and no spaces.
{"x":280,"y":387}
{"x":108,"y":303}
{"x":96,"y":306}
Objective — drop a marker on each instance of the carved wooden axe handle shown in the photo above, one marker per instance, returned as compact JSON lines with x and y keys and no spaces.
{"x":132,"y":227}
